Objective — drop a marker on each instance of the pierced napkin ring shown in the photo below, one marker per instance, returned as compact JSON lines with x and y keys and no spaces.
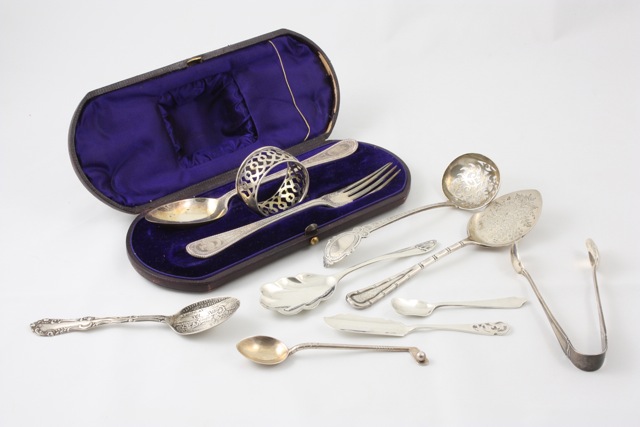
{"x":254,"y":170}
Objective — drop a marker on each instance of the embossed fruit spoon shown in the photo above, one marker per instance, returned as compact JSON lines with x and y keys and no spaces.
{"x":291,"y":295}
{"x":585,"y":362}
{"x":194,"y":318}
{"x":270,"y":351}
{"x":506,"y":220}
{"x":199,"y":210}
{"x":470,"y":182}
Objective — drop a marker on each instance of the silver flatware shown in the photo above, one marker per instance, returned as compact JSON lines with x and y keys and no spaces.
{"x":470,"y":182}
{"x":194,"y":318}
{"x":371,"y":183}
{"x":270,"y":351}
{"x":199,"y":210}
{"x":414,"y":307}
{"x":506,"y":220}
{"x":585,"y":362}
{"x":305,"y":291}
{"x":378,"y":326}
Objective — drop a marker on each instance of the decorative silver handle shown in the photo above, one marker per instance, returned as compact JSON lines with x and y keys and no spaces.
{"x":52,"y":327}
{"x":344,"y":244}
{"x":366,"y":297}
{"x":209,"y":246}
{"x":488,"y":328}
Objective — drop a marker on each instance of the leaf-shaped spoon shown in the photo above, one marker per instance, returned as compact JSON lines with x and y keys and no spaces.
{"x":505,"y":221}
{"x":470,"y":182}
{"x":291,"y":295}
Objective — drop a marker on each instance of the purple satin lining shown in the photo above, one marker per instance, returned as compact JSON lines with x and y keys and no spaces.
{"x":161,"y":249}
{"x":153,"y":138}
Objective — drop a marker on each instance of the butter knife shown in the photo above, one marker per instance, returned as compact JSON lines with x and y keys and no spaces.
{"x":378,"y":326}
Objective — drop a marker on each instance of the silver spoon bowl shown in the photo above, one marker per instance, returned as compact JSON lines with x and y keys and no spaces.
{"x":271,"y":351}
{"x":194,"y":318}
{"x":506,"y":220}
{"x":470,"y":182}
{"x":200,"y":210}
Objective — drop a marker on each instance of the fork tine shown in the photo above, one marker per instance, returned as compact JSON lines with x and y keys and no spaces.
{"x":364,"y":181}
{"x":378,"y":184}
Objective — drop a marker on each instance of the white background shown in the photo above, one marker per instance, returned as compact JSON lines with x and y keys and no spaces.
{"x":548,"y":89}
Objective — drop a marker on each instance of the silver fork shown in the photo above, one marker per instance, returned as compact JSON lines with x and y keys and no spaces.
{"x":209,"y":246}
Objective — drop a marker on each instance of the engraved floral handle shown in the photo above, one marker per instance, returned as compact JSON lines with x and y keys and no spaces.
{"x":487,"y":328}
{"x":366,"y":297}
{"x":53,"y":327}
{"x":209,"y":246}
{"x":344,"y":244}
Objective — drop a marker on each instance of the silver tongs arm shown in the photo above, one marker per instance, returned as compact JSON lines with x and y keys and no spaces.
{"x":585,"y":362}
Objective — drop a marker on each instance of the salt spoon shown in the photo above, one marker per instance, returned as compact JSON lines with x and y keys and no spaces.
{"x":271,"y":351}
{"x":414,"y":307}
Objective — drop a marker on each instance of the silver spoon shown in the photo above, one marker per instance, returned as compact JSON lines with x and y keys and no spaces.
{"x":194,"y":318}
{"x":270,"y":351}
{"x":585,"y":362}
{"x":291,"y":295}
{"x":414,"y":307}
{"x":505,"y":221}
{"x":470,"y":182}
{"x":205,"y":209}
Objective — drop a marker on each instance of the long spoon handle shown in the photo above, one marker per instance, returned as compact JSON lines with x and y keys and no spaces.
{"x":53,"y":327}
{"x":420,"y":248}
{"x":344,"y":244}
{"x":417,"y":354}
{"x":366,"y":297}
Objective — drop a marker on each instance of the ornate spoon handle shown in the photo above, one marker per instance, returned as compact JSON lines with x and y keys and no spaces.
{"x":344,"y":244}
{"x":488,"y":328}
{"x":52,"y":327}
{"x":209,"y":246}
{"x":366,"y":297}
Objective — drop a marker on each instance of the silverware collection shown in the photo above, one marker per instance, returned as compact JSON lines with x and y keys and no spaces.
{"x":470,"y":182}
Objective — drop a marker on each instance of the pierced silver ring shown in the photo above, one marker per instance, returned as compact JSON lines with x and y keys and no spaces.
{"x":255,"y":170}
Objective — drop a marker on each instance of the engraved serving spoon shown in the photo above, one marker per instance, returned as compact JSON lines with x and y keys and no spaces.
{"x":270,"y":351}
{"x":199,"y":210}
{"x":414,"y":307}
{"x":194,"y":318}
{"x":585,"y":362}
{"x":506,"y":220}
{"x":305,"y":291}
{"x":470,"y":182}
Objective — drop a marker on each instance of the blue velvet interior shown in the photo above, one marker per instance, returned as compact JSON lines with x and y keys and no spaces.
{"x":150,"y":139}
{"x":161,"y":248}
